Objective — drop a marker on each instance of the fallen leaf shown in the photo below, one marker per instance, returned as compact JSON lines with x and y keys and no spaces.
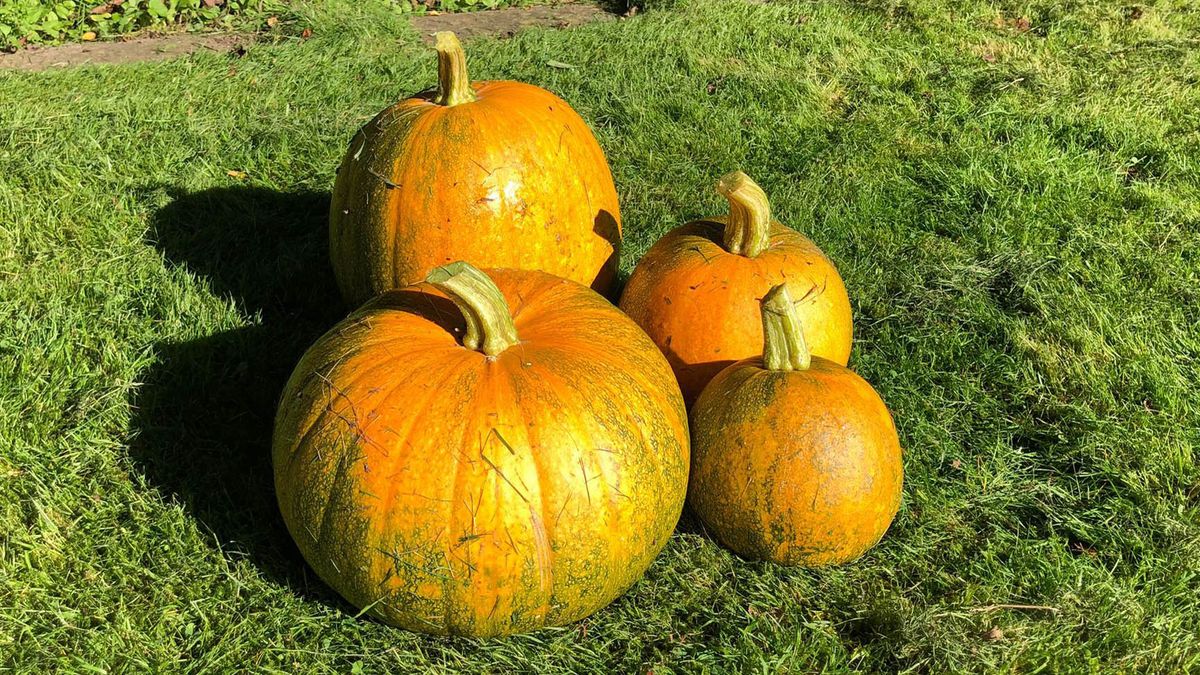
{"x":1022,"y":24}
{"x":306,"y":33}
{"x":561,"y":65}
{"x":272,"y":21}
{"x":235,"y":174}
{"x":88,"y":36}
{"x":993,"y":634}
{"x":106,"y":8}
{"x":1080,"y":548}
{"x":956,"y":464}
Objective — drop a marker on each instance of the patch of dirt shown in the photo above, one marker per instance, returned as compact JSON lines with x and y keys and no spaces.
{"x":155,"y":48}
{"x":506,"y":22}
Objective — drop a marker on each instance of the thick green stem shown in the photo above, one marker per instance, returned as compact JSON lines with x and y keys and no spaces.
{"x":784,"y":348}
{"x":454,"y":84}
{"x":748,"y":229}
{"x":490,"y":326}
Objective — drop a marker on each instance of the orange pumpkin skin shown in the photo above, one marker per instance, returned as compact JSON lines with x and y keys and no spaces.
{"x":796,"y":468}
{"x":699,"y":302}
{"x":800,"y":466}
{"x":424,"y":184}
{"x":452,"y":492}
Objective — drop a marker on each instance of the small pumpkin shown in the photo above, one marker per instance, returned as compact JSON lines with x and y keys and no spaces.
{"x":501,"y":174}
{"x":795,"y":458}
{"x":454,"y":467}
{"x":696,"y":290}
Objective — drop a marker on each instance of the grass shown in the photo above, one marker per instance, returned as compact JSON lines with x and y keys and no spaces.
{"x":1016,"y":214}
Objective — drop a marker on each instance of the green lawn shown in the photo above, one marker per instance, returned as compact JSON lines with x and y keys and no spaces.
{"x":1016,"y":213}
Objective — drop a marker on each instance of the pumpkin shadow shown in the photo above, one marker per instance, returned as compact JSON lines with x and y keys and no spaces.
{"x":620,"y":6}
{"x":205,"y":410}
{"x":610,"y":287}
{"x":266,"y":250}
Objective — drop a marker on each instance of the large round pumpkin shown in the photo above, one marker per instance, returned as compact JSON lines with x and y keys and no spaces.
{"x":453,"y":467}
{"x":500,"y":174}
{"x":795,"y":459}
{"x":696,"y":291}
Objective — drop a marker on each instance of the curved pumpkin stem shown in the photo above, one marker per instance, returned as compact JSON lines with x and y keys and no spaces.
{"x":454,"y":84}
{"x":490,"y":327}
{"x":748,"y":229}
{"x":784,"y":348}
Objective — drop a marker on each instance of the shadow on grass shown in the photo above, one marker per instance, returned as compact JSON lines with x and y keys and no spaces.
{"x":205,"y":410}
{"x":619,"y":6}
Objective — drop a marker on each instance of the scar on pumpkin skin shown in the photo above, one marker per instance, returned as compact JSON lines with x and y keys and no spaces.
{"x":824,"y":285}
{"x":387,"y":183}
{"x":564,"y":508}
{"x":707,"y":260}
{"x":493,"y":171}
{"x":501,"y":474}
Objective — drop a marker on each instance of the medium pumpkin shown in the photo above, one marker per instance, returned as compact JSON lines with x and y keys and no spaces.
{"x":523,"y":477}
{"x":696,"y":291}
{"x":795,"y":458}
{"x":501,"y":174}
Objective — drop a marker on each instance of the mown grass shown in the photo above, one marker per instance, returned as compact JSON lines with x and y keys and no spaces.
{"x":1016,"y":214}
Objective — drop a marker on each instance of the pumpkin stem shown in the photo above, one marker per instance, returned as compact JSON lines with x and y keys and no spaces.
{"x":490,"y":327}
{"x":454,"y":85}
{"x":784,"y":348}
{"x":748,"y":228}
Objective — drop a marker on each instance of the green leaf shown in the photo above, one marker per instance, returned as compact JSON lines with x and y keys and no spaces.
{"x":157,"y":8}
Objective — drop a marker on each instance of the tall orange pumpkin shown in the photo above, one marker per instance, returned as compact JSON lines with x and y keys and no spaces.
{"x":795,"y":459}
{"x":480,"y":471}
{"x":696,"y":291}
{"x":500,"y":174}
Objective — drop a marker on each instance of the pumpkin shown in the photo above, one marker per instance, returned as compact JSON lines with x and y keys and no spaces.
{"x":696,"y":290}
{"x":795,"y":458}
{"x":454,"y":467}
{"x":500,"y":174}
